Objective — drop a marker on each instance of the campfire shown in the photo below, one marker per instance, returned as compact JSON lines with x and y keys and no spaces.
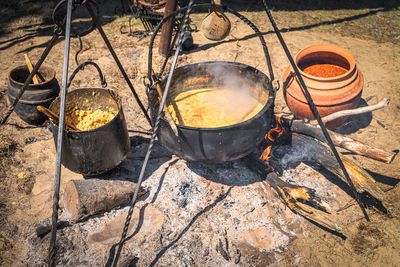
{"x":269,"y":144}
{"x":283,"y":147}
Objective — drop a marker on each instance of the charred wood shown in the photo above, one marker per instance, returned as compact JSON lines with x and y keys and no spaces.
{"x":293,"y":196}
{"x":304,"y":148}
{"x":342,"y":141}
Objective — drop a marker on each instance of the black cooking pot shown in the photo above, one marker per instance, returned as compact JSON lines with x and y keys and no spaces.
{"x":98,"y":150}
{"x":216,"y":145}
{"x":35,"y":94}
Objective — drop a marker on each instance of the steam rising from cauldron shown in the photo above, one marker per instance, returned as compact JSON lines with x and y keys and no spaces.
{"x":243,"y":97}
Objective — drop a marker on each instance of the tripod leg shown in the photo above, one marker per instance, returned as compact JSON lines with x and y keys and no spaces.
{"x":60,"y":136}
{"x":107,"y":42}
{"x":30,"y":76}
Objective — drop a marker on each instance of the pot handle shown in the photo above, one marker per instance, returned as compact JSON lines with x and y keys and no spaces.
{"x":207,"y":5}
{"x":81,"y":67}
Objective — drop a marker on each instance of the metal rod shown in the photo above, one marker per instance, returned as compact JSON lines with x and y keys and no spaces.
{"x":54,"y":217}
{"x":144,"y":23}
{"x":315,"y":111}
{"x":108,"y":44}
{"x":30,"y":76}
{"x":153,"y":137}
{"x":262,"y":40}
{"x":208,"y":5}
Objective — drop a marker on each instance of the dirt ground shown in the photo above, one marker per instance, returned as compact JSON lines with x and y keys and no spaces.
{"x":370,"y":33}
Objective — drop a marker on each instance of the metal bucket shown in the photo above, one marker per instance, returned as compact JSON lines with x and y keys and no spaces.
{"x":216,"y":145}
{"x":98,"y":150}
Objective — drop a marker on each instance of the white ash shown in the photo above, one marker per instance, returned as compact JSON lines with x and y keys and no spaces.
{"x":190,"y":208}
{"x":208,"y":215}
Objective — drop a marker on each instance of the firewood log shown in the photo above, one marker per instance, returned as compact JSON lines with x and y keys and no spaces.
{"x":291,"y":194}
{"x":341,"y":141}
{"x":314,"y":151}
{"x":83,"y":198}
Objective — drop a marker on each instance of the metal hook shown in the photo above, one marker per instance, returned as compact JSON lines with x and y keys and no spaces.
{"x":80,"y":49}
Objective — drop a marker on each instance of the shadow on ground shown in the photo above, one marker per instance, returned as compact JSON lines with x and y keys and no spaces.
{"x":23,"y":12}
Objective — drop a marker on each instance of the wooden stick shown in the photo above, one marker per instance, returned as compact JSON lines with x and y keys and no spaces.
{"x":166,"y":30}
{"x":54,"y":117}
{"x":167,"y":114}
{"x":383,"y":103}
{"x":341,"y":141}
{"x":83,"y":198}
{"x":35,"y":78}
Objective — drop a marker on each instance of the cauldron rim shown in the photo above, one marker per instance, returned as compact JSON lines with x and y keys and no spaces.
{"x":268,"y":105}
{"x":119,"y":103}
{"x":52,"y":74}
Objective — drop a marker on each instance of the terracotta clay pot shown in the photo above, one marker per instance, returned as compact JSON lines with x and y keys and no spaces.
{"x":329,"y":94}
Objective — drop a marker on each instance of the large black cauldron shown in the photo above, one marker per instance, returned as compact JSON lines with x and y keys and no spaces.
{"x":216,"y":145}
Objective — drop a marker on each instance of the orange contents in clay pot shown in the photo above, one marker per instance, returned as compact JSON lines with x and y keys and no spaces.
{"x":325,"y":70}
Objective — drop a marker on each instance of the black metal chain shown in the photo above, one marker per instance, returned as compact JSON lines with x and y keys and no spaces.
{"x":315,"y":111}
{"x":79,"y":50}
{"x":153,"y":137}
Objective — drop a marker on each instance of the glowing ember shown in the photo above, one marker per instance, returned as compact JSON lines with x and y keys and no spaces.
{"x":270,"y":138}
{"x":276,"y":131}
{"x":265,"y":155}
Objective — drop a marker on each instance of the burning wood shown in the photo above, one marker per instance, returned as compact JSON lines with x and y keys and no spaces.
{"x":294,"y":195}
{"x":322,"y":155}
{"x":283,"y":147}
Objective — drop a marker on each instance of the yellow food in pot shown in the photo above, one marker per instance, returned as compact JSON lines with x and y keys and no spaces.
{"x":211,"y":108}
{"x":86,"y":120}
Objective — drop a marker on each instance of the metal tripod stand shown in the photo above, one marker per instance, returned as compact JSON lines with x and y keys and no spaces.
{"x":62,"y":27}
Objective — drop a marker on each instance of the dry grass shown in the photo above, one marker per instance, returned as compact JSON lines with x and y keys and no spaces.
{"x":8,"y":147}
